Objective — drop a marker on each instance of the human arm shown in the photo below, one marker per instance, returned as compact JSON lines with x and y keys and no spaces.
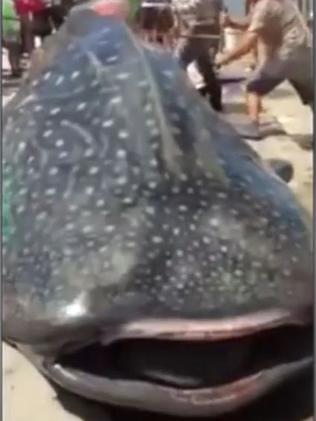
{"x":260,"y":20}
{"x":248,"y":42}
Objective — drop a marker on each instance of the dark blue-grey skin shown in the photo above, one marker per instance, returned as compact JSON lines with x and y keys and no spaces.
{"x":153,"y":260}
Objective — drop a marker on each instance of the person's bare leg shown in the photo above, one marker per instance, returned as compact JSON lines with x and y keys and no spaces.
{"x":254,"y":106}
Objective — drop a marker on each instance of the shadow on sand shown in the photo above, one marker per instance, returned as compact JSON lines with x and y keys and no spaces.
{"x":280,"y":93}
{"x":304,"y":141}
{"x":291,"y":403}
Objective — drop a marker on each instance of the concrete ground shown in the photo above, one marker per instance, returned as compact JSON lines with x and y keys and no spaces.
{"x":28,"y":397}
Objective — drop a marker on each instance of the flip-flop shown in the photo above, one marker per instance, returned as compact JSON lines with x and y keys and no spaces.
{"x":271,"y":128}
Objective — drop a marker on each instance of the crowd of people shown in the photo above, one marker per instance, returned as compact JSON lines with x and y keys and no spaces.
{"x":193,"y":29}
{"x":24,"y":20}
{"x":276,"y":25}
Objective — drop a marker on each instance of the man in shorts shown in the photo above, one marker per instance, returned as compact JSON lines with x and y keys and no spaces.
{"x":280,"y":27}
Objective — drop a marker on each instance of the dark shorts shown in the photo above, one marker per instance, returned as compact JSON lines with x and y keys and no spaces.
{"x":298,"y":70}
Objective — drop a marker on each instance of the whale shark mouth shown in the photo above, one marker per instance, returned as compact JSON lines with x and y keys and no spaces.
{"x":192,"y":376}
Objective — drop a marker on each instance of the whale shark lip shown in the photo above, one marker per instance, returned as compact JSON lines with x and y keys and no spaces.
{"x":185,"y":403}
{"x":215,"y":329}
{"x":156,"y":384}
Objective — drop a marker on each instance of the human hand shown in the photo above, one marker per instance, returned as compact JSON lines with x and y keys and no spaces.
{"x":220,"y":60}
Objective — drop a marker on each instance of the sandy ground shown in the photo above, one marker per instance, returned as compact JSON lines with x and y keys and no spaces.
{"x":28,"y":397}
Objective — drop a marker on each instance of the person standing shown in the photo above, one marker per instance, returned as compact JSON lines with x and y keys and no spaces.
{"x":280,"y":27}
{"x":25,"y":10}
{"x":200,"y":23}
{"x":11,"y":36}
